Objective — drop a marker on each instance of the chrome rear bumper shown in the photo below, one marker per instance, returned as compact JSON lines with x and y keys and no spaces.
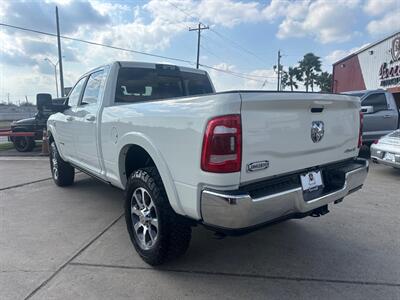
{"x":378,"y":153}
{"x":238,"y":210}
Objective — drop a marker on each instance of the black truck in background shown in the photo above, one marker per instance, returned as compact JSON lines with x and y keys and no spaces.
{"x":35,"y":124}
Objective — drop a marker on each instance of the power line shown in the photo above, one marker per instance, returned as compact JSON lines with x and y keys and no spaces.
{"x":97,"y":44}
{"x":211,"y":41}
{"x":211,"y":52}
{"x":237,"y":74}
{"x":181,"y":10}
{"x":219,"y":34}
{"x":237,"y":44}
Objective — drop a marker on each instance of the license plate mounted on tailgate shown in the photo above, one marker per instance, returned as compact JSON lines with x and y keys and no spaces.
{"x":311,"y":181}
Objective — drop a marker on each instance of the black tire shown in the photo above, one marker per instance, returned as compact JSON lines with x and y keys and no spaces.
{"x":62,"y":172}
{"x":173,"y":233}
{"x":24,"y":143}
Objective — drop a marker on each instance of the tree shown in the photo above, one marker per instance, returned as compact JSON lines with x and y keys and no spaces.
{"x":293,"y":74}
{"x":284,"y":80}
{"x":324,"y":81}
{"x":309,"y":66}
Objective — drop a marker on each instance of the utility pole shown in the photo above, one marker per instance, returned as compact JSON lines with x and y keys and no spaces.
{"x":279,"y":70}
{"x":26,"y":99}
{"x":198,"y":29}
{"x":59,"y":55}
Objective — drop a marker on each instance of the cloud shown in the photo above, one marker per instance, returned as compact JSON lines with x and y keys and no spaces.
{"x":319,"y":19}
{"x":295,"y":10}
{"x":17,"y":59}
{"x":337,"y":55}
{"x":389,"y":23}
{"x":267,"y":83}
{"x":229,"y":13}
{"x":253,"y":80}
{"x":41,"y":15}
{"x":378,"y":7}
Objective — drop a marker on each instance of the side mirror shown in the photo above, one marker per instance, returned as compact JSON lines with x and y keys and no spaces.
{"x":367,"y":109}
{"x":43,"y":101}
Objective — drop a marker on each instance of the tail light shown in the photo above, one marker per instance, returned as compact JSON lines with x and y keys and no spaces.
{"x":361,"y":129}
{"x":222,"y":145}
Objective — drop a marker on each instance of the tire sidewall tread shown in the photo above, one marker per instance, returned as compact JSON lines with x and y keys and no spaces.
{"x":174,"y":232}
{"x":66,"y":173}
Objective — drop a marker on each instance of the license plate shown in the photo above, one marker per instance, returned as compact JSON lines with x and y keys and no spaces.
{"x":311,"y":181}
{"x":389,"y":157}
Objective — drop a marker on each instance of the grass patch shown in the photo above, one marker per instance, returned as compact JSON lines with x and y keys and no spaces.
{"x":6,"y":146}
{"x":5,"y":124}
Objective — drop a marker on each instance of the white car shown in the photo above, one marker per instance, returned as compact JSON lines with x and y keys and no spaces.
{"x":186,"y":155}
{"x":386,"y":150}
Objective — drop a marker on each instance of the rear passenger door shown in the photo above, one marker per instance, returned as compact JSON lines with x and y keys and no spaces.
{"x":381,"y":121}
{"x":86,"y":120}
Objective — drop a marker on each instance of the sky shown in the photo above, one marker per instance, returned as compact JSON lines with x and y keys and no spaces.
{"x":243,"y":39}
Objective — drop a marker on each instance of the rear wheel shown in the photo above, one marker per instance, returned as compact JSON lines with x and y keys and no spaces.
{"x":156,"y":231}
{"x":62,"y":172}
{"x":24,"y":143}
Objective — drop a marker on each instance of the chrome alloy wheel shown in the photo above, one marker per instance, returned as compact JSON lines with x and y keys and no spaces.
{"x":144,"y":218}
{"x":54,"y":162}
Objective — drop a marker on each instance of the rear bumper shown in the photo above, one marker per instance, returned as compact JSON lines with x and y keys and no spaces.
{"x":378,"y":154}
{"x":236,"y":210}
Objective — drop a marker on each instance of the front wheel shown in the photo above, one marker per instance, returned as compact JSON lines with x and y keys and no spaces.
{"x":24,"y":143}
{"x":62,"y":172}
{"x":156,"y":231}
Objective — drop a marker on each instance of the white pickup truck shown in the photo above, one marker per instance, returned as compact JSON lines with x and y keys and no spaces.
{"x":186,"y":155}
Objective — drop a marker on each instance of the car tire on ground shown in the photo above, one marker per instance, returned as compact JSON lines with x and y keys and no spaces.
{"x":156,"y":231}
{"x":24,"y":143}
{"x":62,"y":172}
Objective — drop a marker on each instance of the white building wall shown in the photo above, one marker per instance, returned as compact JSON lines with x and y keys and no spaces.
{"x":371,"y":60}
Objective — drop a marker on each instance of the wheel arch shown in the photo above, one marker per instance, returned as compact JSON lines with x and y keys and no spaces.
{"x":137,"y":151}
{"x":52,"y":136}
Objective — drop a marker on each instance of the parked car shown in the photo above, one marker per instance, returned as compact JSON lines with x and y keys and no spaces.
{"x":35,"y":124}
{"x":381,"y":114}
{"x":186,"y":155}
{"x":387,"y":150}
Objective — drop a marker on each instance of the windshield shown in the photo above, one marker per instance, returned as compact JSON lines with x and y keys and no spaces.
{"x":144,"y":84}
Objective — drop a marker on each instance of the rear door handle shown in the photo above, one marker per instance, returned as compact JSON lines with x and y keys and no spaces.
{"x":69,"y":118}
{"x":90,"y":118}
{"x":387,"y":116}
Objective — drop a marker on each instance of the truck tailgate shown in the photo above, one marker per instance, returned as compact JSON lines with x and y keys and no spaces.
{"x":277,"y":132}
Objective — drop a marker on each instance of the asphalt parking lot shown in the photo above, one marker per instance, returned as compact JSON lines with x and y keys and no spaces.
{"x":58,"y":243}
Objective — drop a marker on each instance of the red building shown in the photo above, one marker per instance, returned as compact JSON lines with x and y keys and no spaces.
{"x":376,"y":66}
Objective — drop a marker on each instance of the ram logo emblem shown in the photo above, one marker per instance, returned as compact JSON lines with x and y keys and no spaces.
{"x":317,"y":131}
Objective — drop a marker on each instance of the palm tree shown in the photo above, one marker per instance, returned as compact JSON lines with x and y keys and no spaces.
{"x":308,"y":66}
{"x":284,"y":80}
{"x":324,"y":81}
{"x":293,"y":75}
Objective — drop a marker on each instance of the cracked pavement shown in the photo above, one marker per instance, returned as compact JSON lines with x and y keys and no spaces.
{"x":58,"y":243}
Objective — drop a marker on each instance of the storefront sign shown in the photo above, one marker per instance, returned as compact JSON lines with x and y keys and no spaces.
{"x":389,"y":74}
